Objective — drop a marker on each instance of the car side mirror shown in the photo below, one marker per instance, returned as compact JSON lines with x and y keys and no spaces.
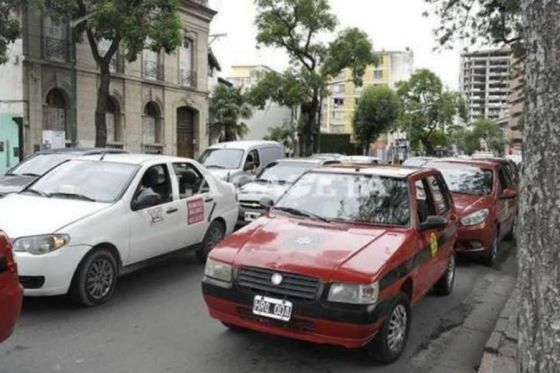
{"x":145,"y":201}
{"x":267,"y":203}
{"x":508,"y":194}
{"x":434,"y":222}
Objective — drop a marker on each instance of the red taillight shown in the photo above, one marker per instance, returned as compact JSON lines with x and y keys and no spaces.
{"x":10,"y":263}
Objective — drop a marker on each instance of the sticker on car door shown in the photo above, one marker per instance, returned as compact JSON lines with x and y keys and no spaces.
{"x":195,"y":211}
{"x":434,"y":244}
{"x":156,"y":215}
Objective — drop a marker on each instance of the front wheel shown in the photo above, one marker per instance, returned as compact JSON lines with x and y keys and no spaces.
{"x":96,"y":279}
{"x":214,"y":235}
{"x":445,"y":284}
{"x":389,"y":343}
{"x":492,"y":256}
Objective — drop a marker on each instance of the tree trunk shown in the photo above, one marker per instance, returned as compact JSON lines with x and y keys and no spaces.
{"x":539,"y":233}
{"x":309,"y":121}
{"x":101,"y":108}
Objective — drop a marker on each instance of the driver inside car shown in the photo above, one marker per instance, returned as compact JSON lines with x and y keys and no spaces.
{"x":149,"y":182}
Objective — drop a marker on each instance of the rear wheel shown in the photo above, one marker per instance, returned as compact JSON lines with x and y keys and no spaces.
{"x":391,"y":339}
{"x":445,"y":284}
{"x":513,"y":233}
{"x":492,"y":256}
{"x":95,"y":280}
{"x":214,"y":235}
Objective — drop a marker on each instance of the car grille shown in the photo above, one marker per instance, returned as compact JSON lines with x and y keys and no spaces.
{"x":294,"y":323}
{"x":293,"y":286}
{"x":250,"y":204}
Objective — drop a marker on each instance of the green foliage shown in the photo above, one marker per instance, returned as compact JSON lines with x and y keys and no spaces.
{"x":465,"y":141}
{"x":285,"y":134}
{"x":300,"y":28}
{"x":228,"y":106}
{"x":484,"y":135}
{"x":377,"y":111}
{"x":337,"y":143}
{"x":478,"y":21}
{"x":427,"y":108}
{"x":9,"y":26}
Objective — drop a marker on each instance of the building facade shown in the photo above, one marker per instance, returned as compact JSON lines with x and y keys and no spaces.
{"x":485,"y":84}
{"x":158,"y":104}
{"x":517,"y":106}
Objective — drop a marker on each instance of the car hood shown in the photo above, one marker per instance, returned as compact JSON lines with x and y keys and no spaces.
{"x":466,"y":204}
{"x":22,"y":215}
{"x":309,"y":248}
{"x":14,"y":184}
{"x":257,"y":191}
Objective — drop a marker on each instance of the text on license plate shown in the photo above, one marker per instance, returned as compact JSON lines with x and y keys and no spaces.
{"x":272,"y":308}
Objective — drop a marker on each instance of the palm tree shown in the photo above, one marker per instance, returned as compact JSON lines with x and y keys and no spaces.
{"x":228,"y":106}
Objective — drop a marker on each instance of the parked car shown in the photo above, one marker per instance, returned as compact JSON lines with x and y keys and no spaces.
{"x":486,"y":202}
{"x":271,"y":183}
{"x":510,"y":167}
{"x":339,"y":259}
{"x":417,"y":161}
{"x":81,"y":225}
{"x":238,"y":162}
{"x":362,"y":160}
{"x":10,"y":290}
{"x":33,"y":167}
{"x":327,"y":156}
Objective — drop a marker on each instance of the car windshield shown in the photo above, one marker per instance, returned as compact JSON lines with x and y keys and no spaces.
{"x":349,"y":198}
{"x":284,"y":172}
{"x":40,"y":164}
{"x":86,"y":180}
{"x":468,"y":180}
{"x":415,"y":162}
{"x":229,"y":159}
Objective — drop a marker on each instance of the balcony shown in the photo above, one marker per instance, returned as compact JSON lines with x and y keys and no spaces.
{"x":153,"y":70}
{"x":188,"y":78}
{"x":55,"y":49}
{"x":154,"y":149}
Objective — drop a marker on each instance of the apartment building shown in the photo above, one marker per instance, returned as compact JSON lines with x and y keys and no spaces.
{"x":485,"y":83}
{"x":158,"y":104}
{"x":517,"y":106}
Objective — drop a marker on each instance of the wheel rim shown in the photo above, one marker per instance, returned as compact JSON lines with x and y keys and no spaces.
{"x":451,"y":270}
{"x":214,"y":237}
{"x":100,"y":278}
{"x":397,"y":328}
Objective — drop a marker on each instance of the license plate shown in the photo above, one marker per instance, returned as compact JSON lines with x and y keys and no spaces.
{"x":252,"y":216}
{"x":272,"y":308}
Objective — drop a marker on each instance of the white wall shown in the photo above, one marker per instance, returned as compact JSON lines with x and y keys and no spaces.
{"x":11,"y":81}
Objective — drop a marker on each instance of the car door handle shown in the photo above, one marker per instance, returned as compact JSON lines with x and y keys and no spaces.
{"x":208,"y":200}
{"x":172,"y":210}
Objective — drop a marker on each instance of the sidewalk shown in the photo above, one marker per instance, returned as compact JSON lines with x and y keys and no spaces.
{"x":501,"y":349}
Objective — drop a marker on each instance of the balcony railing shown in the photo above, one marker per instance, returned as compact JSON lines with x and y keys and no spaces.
{"x":153,"y":70}
{"x":152,"y":149}
{"x":188,"y":78}
{"x":55,"y":49}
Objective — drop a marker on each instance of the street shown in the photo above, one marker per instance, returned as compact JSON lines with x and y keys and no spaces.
{"x":157,"y":322}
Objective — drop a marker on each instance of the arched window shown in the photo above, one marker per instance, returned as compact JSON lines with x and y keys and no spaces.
{"x":55,"y":112}
{"x":114,"y":121}
{"x":152,"y":124}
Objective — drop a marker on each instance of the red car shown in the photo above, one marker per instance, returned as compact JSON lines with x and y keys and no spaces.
{"x":11,"y":292}
{"x":485,"y":198}
{"x":339,"y":259}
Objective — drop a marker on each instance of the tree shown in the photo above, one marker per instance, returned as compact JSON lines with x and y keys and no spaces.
{"x":299,"y":27}
{"x":539,"y":233}
{"x":228,"y":106}
{"x":286,"y":134}
{"x":489,"y":132}
{"x":9,"y":26}
{"x":465,"y":141}
{"x":427,"y":108}
{"x":377,"y":111}
{"x":131,"y":24}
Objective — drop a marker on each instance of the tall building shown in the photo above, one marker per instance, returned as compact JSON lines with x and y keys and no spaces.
{"x":273,"y":115}
{"x":158,"y":104}
{"x":338,"y":108}
{"x":485,"y":83}
{"x":517,"y":103}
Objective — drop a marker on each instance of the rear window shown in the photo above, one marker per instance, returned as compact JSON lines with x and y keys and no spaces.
{"x":463,"y":179}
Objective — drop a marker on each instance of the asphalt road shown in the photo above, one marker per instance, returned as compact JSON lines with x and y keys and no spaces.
{"x":158,"y":322}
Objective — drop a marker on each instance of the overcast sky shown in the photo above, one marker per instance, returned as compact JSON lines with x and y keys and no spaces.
{"x":391,"y":25}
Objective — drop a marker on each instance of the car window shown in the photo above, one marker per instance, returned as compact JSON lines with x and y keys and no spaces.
{"x":284,"y":172}
{"x":229,"y":159}
{"x":503,"y":181}
{"x":438,"y":193}
{"x":39,"y":164}
{"x":253,"y":160}
{"x":190,"y":180}
{"x":463,"y":179}
{"x":424,"y":201}
{"x":155,"y":181}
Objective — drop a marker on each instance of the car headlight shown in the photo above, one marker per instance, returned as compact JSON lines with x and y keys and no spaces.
{"x":353,"y":293}
{"x":475,"y":218}
{"x":41,"y":245}
{"x":218,"y":273}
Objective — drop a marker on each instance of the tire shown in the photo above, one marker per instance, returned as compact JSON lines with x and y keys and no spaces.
{"x":384,"y":348}
{"x":512,"y":235}
{"x":95,"y":280}
{"x":445,"y":284}
{"x":490,"y":259}
{"x":214,"y":235}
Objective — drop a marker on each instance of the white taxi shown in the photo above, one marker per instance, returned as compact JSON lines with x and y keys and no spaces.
{"x":81,"y":225}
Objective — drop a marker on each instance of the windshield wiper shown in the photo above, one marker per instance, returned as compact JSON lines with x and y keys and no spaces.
{"x":307,"y":214}
{"x":30,"y":174}
{"x":38,"y":192}
{"x":216,"y":166}
{"x":73,"y":195}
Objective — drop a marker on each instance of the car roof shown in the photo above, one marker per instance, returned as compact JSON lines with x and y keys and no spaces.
{"x":138,"y":158}
{"x":302,"y":160}
{"x":82,"y":151}
{"x":399,"y":172}
{"x":467,"y":162}
{"x":243,"y":144}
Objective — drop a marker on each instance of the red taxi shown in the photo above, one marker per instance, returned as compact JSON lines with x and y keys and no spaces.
{"x":485,"y":198}
{"x":339,"y":259}
{"x":11,"y":292}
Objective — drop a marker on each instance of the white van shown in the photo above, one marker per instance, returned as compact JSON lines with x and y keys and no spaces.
{"x":238,"y":162}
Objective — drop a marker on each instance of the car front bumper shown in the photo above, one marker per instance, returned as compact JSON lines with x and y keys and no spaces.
{"x":10,"y":307}
{"x":50,"y":274}
{"x":475,"y":240}
{"x":351,"y":326}
{"x":242,"y":217}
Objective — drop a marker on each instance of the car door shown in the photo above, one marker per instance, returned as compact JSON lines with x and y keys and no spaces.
{"x":153,"y":228}
{"x":507,"y":207}
{"x":196,"y":203}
